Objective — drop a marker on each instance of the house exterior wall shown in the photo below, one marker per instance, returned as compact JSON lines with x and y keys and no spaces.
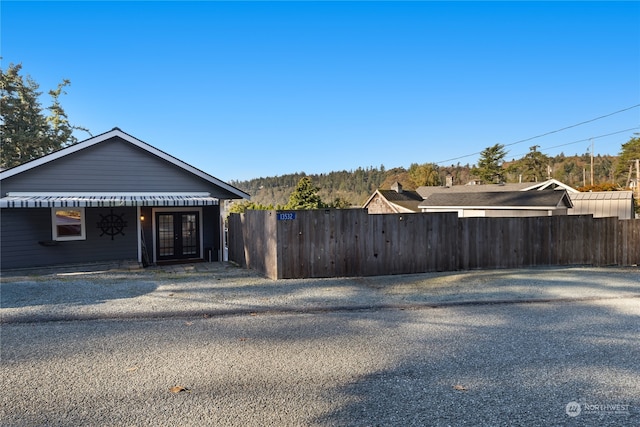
{"x":211,"y":239}
{"x":499,"y":213}
{"x":461,"y":212}
{"x":601,"y":208}
{"x":27,"y":239}
{"x":506,"y":213}
{"x":211,"y":232}
{"x":378,"y":205}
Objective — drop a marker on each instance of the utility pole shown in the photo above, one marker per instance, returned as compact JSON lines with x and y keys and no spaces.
{"x":638,"y":177}
{"x":592,"y":162}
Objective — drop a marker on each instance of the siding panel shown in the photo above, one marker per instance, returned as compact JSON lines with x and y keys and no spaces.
{"x":22,"y":231}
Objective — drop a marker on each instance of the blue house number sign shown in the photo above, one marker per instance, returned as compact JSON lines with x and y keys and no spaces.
{"x":286,"y":216}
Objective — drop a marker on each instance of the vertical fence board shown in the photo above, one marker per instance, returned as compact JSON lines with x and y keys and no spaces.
{"x":235,"y":240}
{"x":633,"y":251}
{"x":362,"y":239}
{"x":622,"y":237}
{"x":446,"y":225}
{"x":477,"y":242}
{"x":436,"y":239}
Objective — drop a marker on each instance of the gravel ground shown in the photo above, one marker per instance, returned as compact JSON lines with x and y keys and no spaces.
{"x":499,"y":348}
{"x":213,"y":289}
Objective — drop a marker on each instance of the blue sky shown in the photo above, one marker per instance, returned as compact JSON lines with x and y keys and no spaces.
{"x":244,"y":90}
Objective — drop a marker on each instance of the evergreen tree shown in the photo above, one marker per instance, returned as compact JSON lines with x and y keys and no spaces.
{"x":534,"y":165}
{"x":490,"y":163}
{"x":339,"y":203}
{"x":245,"y":205}
{"x":25,"y":130}
{"x":628,"y":154}
{"x":305,"y":196}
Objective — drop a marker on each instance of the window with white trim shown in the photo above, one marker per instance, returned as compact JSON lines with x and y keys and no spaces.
{"x":68,"y":224}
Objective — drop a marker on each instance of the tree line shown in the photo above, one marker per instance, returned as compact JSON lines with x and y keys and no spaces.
{"x":354,"y":187}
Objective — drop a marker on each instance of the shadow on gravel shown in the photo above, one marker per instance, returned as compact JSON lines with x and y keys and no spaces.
{"x":516,"y":364}
{"x":512,"y":365}
{"x":76,"y":292}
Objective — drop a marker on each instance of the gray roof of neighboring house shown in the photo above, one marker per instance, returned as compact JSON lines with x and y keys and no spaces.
{"x":406,"y":199}
{"x":507,"y":199}
{"x":485,"y":188}
{"x":469,"y":188}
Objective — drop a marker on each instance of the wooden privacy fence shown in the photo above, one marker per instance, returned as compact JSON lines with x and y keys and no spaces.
{"x":350,"y":242}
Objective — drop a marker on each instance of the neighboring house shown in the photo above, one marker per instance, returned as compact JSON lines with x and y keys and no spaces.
{"x":499,"y":204}
{"x":395,"y":200}
{"x":111,"y":197}
{"x":598,"y":204}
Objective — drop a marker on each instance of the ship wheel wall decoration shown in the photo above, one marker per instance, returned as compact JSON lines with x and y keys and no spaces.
{"x":112,"y":224}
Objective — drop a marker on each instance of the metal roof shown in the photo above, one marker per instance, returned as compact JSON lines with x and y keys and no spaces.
{"x":602,"y":195}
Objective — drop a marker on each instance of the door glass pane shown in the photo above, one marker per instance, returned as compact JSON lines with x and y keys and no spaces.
{"x":165,"y":235}
{"x":189,"y":235}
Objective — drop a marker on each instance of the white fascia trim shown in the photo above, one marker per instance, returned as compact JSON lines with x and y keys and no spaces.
{"x":545,"y":184}
{"x":536,"y":208}
{"x":92,"y":194}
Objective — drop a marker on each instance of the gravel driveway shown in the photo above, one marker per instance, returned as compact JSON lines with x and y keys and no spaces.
{"x":212,"y":289}
{"x":533,"y":347}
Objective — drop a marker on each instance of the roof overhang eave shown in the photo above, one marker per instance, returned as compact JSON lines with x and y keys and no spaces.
{"x":84,"y":200}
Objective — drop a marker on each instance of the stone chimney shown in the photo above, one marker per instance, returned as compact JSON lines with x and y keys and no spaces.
{"x":449,"y":180}
{"x":397,"y":187}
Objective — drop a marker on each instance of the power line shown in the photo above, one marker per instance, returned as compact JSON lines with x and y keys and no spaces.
{"x":573,"y":126}
{"x":548,"y":133}
{"x":581,"y":140}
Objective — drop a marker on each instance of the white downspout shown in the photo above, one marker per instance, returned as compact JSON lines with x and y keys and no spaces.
{"x":139,"y":233}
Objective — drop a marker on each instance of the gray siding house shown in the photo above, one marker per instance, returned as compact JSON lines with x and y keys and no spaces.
{"x":110,"y":198}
